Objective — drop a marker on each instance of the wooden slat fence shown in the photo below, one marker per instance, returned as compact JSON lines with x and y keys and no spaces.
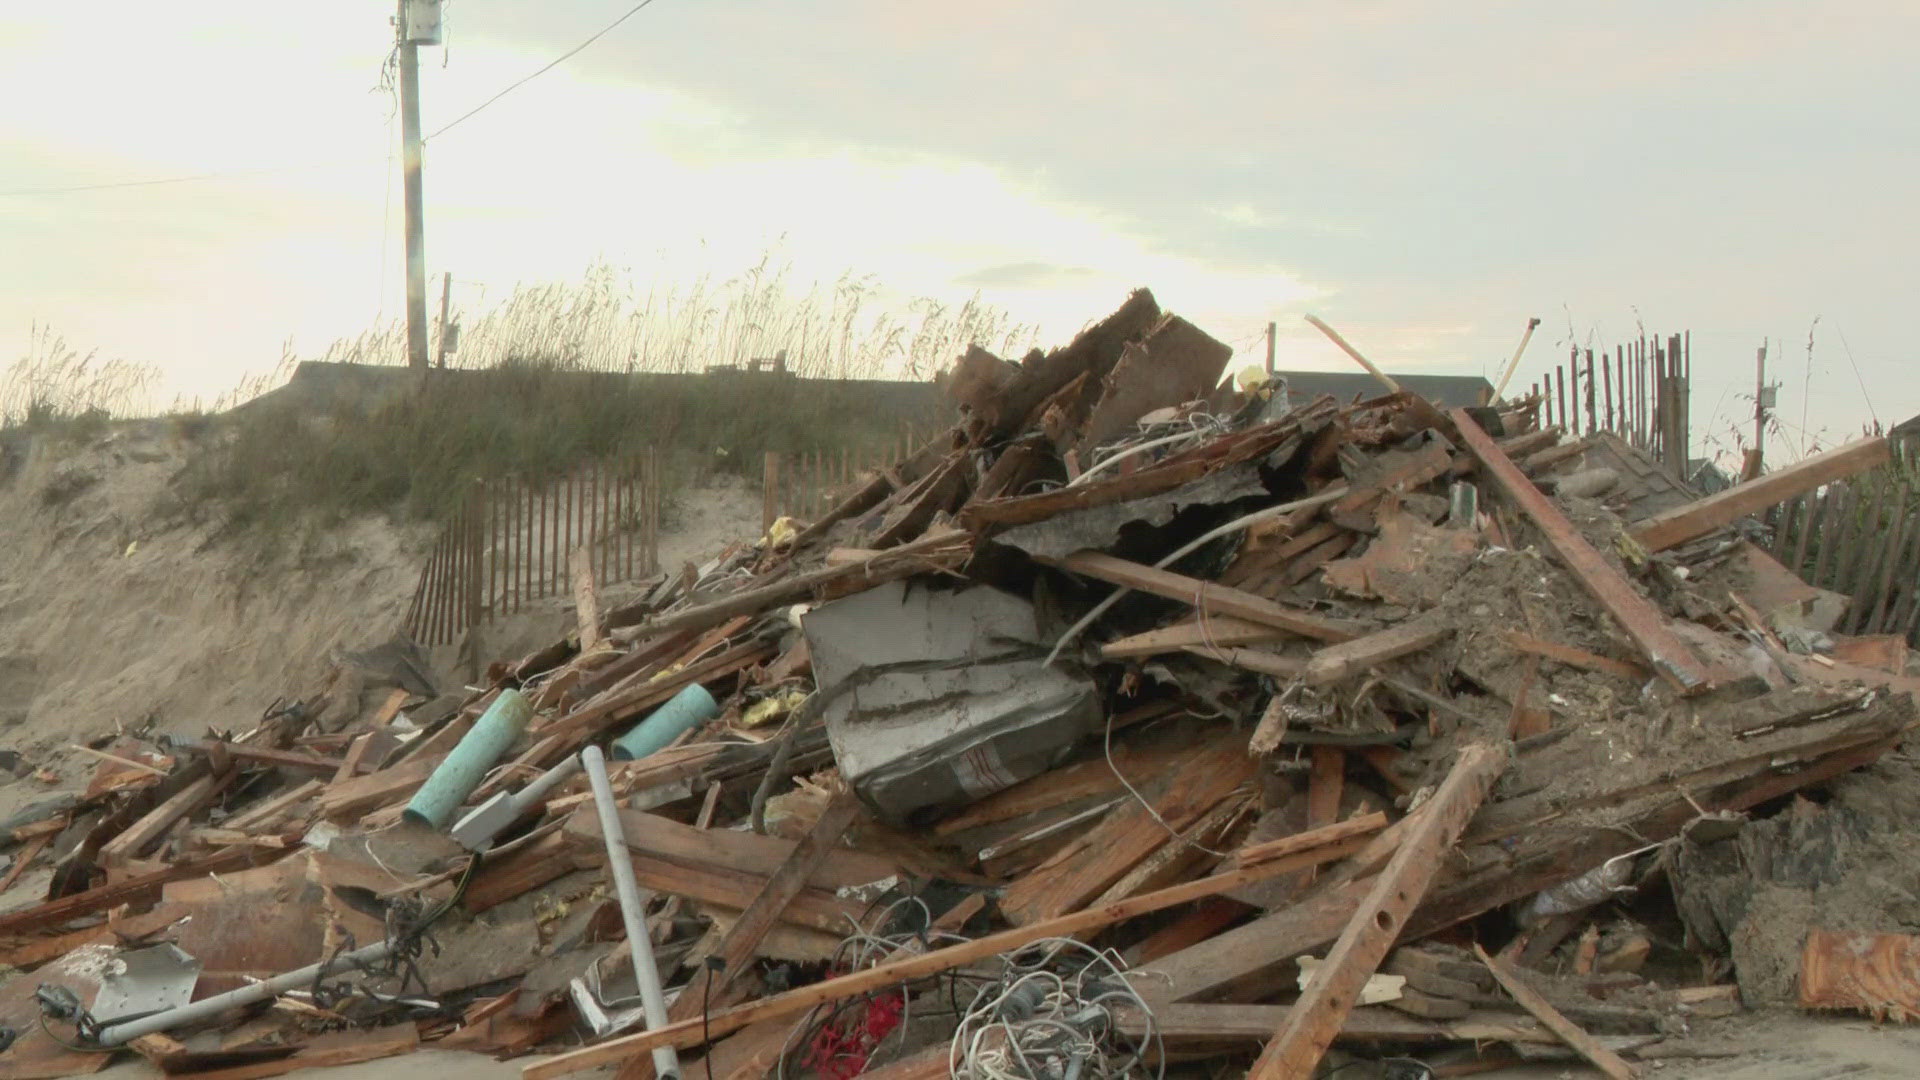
{"x":1860,"y":537}
{"x":806,"y":485}
{"x":1639,"y":392}
{"x":509,"y":542}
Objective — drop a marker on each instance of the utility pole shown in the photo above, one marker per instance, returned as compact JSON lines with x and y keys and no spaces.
{"x":418,"y":24}
{"x":446,"y":295}
{"x":1271,"y":329}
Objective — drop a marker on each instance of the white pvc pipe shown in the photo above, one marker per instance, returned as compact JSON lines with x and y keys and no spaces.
{"x":666,"y":1062}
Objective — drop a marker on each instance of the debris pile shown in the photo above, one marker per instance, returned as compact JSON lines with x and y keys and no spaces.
{"x":1142,"y":720}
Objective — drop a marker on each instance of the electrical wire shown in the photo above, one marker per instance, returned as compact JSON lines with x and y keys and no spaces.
{"x":554,"y":63}
{"x":1047,"y":1017}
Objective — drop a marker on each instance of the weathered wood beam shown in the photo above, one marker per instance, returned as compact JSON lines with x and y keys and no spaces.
{"x":1698,"y":518}
{"x":1603,"y":1059}
{"x":1212,"y":598}
{"x":1376,"y":924}
{"x":1643,"y":622}
{"x":1336,"y":662}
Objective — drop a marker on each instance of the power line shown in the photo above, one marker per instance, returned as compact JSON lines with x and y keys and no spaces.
{"x":556,"y":62}
{"x":103,"y":187}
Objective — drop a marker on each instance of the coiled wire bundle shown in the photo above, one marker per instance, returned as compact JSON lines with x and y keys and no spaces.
{"x":1050,"y":1017}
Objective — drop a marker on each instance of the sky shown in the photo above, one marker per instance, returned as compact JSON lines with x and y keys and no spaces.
{"x":1424,"y":176}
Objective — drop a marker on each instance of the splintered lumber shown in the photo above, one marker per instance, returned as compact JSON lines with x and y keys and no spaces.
{"x":1570,"y":656}
{"x":1212,"y":598}
{"x":136,"y":838}
{"x":618,"y":704}
{"x":1377,"y":923}
{"x":1159,"y":479}
{"x":1696,"y":519}
{"x":1126,"y":837}
{"x":725,"y":886}
{"x":742,"y":940}
{"x":750,"y":852}
{"x":141,"y":889}
{"x":1603,"y":1059}
{"x":263,"y":813}
{"x":945,"y":548}
{"x":1877,"y":974}
{"x":1636,"y":614}
{"x":1364,"y":825}
{"x":1336,"y":662}
{"x":906,"y":969}
{"x":1205,"y":634}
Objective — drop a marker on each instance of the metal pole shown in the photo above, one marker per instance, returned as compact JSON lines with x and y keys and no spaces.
{"x":116,"y":1034}
{"x":416,"y":228}
{"x":1272,"y":330}
{"x":666,"y":1063}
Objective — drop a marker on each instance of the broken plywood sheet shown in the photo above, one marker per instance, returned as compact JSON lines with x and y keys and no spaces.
{"x":273,"y":918}
{"x":1178,"y":363}
{"x":1774,"y":591}
{"x":937,"y":698}
{"x":1411,"y":563}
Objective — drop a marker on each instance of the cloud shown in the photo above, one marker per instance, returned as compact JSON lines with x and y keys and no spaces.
{"x":1028,"y":275}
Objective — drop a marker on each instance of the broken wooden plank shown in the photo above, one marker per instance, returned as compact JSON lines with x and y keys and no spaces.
{"x":742,"y":940}
{"x":1203,"y":633}
{"x":356,"y":753}
{"x":1377,"y":923}
{"x":939,"y":549}
{"x":1129,"y":835}
{"x":1572,"y":657}
{"x":363,"y":793}
{"x":725,"y":886}
{"x":1698,"y":518}
{"x":1215,"y":599}
{"x":1643,"y":622}
{"x":1336,"y":662}
{"x":135,"y":839}
{"x":725,"y":1021}
{"x":1267,"y":851}
{"x":748,"y":852}
{"x":316,"y":764}
{"x":1602,"y":1058}
{"x":1258,"y":661}
{"x":263,"y":813}
{"x":133,"y":890}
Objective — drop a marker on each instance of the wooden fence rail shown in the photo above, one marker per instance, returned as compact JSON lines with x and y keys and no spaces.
{"x":509,"y":542}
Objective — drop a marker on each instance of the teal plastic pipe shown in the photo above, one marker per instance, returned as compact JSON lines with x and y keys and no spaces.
{"x":437,"y":800}
{"x":681,"y":713}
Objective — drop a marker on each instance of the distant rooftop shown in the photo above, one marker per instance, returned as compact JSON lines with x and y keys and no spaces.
{"x":1448,"y":391}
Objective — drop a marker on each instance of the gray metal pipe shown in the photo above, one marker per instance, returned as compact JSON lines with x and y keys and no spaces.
{"x":116,"y":1034}
{"x":666,"y":1061}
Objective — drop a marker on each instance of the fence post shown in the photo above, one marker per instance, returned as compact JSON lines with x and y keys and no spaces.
{"x":769,"y":489}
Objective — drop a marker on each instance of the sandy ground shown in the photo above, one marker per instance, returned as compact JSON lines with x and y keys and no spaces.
{"x":112,"y":613}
